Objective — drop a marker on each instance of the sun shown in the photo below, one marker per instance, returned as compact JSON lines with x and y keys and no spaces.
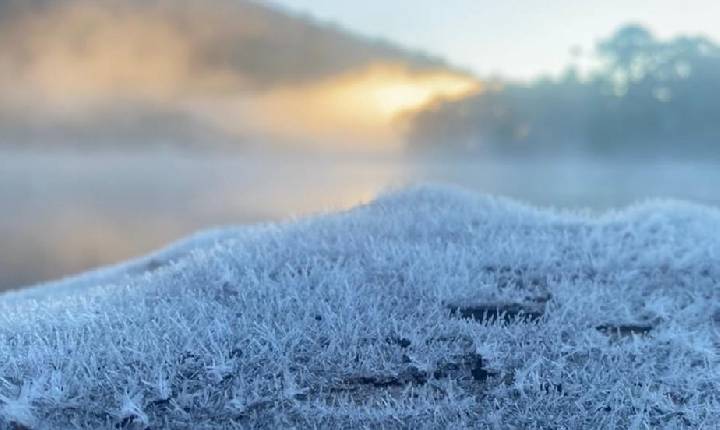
{"x":355,"y":110}
{"x":382,"y":91}
{"x":393,"y":90}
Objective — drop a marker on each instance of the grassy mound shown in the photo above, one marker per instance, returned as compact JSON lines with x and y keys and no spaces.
{"x":428,"y":308}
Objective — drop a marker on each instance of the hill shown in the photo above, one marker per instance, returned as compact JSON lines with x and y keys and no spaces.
{"x":161,"y":71}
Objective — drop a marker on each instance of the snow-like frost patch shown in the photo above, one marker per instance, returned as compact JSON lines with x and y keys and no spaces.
{"x":427,"y":308}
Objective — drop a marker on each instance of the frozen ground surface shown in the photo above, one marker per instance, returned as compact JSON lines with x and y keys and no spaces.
{"x":428,"y":308}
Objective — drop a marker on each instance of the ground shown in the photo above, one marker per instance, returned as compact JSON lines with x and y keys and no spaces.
{"x":427,"y":308}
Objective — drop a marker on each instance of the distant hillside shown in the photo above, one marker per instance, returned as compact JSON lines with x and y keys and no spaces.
{"x":87,"y":70}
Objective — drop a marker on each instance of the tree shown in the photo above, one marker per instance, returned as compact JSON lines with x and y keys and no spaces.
{"x":647,"y":97}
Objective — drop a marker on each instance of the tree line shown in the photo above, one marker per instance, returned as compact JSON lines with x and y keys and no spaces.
{"x":644,"y":97}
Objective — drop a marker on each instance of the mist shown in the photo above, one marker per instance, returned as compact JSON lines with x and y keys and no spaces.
{"x":231,"y":74}
{"x":645,"y":98}
{"x":125,"y":125}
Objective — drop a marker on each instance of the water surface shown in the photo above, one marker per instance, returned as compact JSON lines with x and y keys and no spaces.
{"x":67,"y":211}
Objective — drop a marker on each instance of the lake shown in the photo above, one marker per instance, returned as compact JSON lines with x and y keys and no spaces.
{"x":68,"y":211}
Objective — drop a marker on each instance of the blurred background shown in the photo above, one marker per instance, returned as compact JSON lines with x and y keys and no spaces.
{"x":126,"y":124}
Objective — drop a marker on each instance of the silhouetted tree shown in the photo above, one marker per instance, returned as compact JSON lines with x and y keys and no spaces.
{"x":647,"y":97}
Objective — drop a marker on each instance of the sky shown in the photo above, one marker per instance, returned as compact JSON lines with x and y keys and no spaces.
{"x":512,"y":38}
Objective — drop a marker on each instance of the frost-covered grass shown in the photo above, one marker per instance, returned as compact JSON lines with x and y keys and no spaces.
{"x":341,"y":321}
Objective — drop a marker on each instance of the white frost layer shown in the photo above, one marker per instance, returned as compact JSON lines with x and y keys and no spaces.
{"x":270,"y":326}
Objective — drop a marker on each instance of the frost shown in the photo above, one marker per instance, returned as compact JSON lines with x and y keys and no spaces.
{"x":428,"y":308}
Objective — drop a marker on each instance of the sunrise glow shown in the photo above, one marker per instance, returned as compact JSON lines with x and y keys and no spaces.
{"x":362,"y":107}
{"x":384,"y":91}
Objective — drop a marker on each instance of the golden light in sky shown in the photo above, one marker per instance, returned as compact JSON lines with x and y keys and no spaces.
{"x":357,"y":108}
{"x":386,"y":90}
{"x":86,"y":64}
{"x":146,"y":60}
